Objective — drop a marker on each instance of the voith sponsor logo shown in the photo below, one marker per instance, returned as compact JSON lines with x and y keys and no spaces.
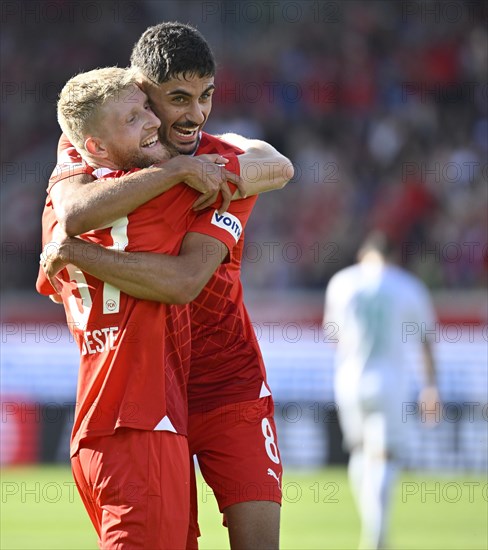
{"x":230,"y":223}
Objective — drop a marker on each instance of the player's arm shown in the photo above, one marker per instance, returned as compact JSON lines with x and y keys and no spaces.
{"x":81,"y":204}
{"x":330,"y":311}
{"x":144,"y":275}
{"x":429,"y":397}
{"x":262,"y":167}
{"x":429,"y":363}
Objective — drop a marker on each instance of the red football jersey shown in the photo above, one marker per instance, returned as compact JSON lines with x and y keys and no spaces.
{"x":226,"y":363}
{"x":135,"y":354}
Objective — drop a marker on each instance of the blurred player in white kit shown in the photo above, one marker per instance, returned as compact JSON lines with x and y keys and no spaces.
{"x":373,"y":303}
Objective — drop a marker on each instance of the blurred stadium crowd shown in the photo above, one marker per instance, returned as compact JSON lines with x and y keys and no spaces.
{"x":382,"y":107}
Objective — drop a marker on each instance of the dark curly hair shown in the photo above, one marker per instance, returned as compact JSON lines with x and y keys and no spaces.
{"x":170,"y":49}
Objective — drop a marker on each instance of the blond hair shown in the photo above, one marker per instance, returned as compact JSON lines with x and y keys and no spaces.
{"x":82,"y":97}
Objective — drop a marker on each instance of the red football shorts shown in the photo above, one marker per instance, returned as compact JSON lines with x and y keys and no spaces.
{"x":237,"y":450}
{"x":135,"y":487}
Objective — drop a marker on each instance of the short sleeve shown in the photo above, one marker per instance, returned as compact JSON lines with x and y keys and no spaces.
{"x":227,"y":227}
{"x":43,"y":286}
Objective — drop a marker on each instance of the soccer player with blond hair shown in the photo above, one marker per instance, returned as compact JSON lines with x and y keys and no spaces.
{"x":227,"y":384}
{"x":129,"y":449}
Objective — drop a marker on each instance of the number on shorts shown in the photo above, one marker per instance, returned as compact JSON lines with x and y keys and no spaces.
{"x":269,"y":441}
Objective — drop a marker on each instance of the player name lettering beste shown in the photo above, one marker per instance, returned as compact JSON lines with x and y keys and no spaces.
{"x":98,"y":340}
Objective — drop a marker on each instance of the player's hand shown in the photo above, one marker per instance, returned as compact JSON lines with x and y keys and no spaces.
{"x":214,"y":172}
{"x":52,"y":259}
{"x":204,"y":173}
{"x":52,"y":263}
{"x":207,"y":175}
{"x":430,"y":406}
{"x":207,"y":200}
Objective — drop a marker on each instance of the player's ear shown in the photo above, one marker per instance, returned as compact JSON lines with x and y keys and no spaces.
{"x":94,"y":146}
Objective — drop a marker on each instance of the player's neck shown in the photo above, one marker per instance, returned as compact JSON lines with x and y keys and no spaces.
{"x":99,"y":163}
{"x":372,"y":257}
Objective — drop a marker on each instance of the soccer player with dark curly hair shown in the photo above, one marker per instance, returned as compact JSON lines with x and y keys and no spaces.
{"x":231,"y":428}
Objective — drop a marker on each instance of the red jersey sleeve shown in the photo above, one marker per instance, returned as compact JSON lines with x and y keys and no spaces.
{"x":213,"y":144}
{"x":229,"y":226}
{"x":49,"y":222}
{"x":69,"y":163}
{"x":43,"y":286}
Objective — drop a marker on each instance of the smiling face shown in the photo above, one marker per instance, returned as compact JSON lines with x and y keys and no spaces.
{"x":126,"y":132}
{"x":183,"y":104}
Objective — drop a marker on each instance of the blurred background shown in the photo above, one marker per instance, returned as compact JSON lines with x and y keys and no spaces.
{"x":383,"y":109}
